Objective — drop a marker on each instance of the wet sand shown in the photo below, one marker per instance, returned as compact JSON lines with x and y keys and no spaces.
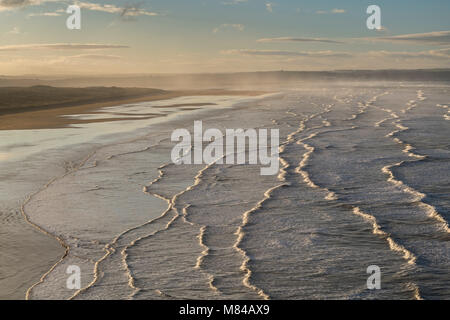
{"x":363,"y":181}
{"x":51,"y":116}
{"x":28,"y":253}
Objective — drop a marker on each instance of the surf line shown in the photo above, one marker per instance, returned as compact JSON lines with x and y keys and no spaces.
{"x":245,"y":220}
{"x":331,"y":196}
{"x":408,"y":149}
{"x":445,"y":107}
{"x":205,"y":252}
{"x":282,"y":177}
{"x":394,"y":246}
{"x":27,"y":219}
{"x":110,"y":248}
{"x":300,"y":169}
{"x":267,"y":195}
{"x":69,"y":171}
{"x":200,"y":237}
{"x":172,"y":206}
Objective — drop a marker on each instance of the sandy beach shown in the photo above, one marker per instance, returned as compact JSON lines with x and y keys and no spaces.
{"x":30,"y":163}
{"x":224,"y":159}
{"x":140,"y":227}
{"x":41,"y":114}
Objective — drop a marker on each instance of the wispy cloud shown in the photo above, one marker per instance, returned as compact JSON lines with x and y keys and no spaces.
{"x":233,"y":2}
{"x":338,"y":11}
{"x":436,"y":37}
{"x":235,"y":26}
{"x":320,"y":54}
{"x":127,"y":11}
{"x":333,"y":11}
{"x":293,"y":39}
{"x":269,"y":6}
{"x":45,"y":14}
{"x":15,"y":30}
{"x":6,"y":5}
{"x":96,"y":57}
{"x":428,"y":54}
{"x":430,"y":38}
{"x":61,"y":46}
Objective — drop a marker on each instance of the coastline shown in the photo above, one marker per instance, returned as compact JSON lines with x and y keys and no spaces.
{"x":124,"y":210}
{"x":51,"y":117}
{"x":38,"y":261}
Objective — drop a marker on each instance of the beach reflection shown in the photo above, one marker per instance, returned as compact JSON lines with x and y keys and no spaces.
{"x":18,"y":144}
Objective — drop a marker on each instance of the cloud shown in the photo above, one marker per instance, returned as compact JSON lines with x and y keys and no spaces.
{"x":382,"y":29}
{"x":292,"y":39}
{"x":436,"y":37}
{"x":269,"y":6}
{"x":234,"y":2}
{"x":14,"y":30}
{"x":127,"y":11}
{"x":6,"y":5}
{"x":96,"y":57}
{"x":45,"y":14}
{"x":318,"y":54}
{"x":430,"y":54}
{"x":61,"y":46}
{"x":333,"y":11}
{"x":381,"y":54}
{"x":236,"y":26}
{"x":15,"y":3}
{"x":430,"y":38}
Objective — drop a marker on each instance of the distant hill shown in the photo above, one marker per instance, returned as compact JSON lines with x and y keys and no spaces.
{"x":19,"y":99}
{"x":228,"y":80}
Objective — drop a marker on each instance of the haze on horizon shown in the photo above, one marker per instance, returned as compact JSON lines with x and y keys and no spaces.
{"x":175,"y":36}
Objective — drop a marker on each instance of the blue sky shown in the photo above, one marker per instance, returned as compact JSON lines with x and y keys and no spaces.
{"x":161,"y":36}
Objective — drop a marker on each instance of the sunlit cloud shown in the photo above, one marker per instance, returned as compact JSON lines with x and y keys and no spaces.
{"x":436,"y":37}
{"x":333,"y":11}
{"x":428,"y":54}
{"x":15,"y":31}
{"x":293,"y":39}
{"x":321,"y":54}
{"x":128,"y":10}
{"x":235,"y":26}
{"x":96,"y":57}
{"x":61,"y":46}
{"x":7,"y":5}
{"x":233,"y":2}
{"x":45,"y":14}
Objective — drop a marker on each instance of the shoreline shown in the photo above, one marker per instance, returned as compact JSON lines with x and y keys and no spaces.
{"x":33,"y":230}
{"x":51,"y":117}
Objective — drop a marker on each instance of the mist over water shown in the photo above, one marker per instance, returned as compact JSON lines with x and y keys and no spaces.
{"x":364,"y":180}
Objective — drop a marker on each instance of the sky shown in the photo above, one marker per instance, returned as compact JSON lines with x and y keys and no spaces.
{"x":198,"y":36}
